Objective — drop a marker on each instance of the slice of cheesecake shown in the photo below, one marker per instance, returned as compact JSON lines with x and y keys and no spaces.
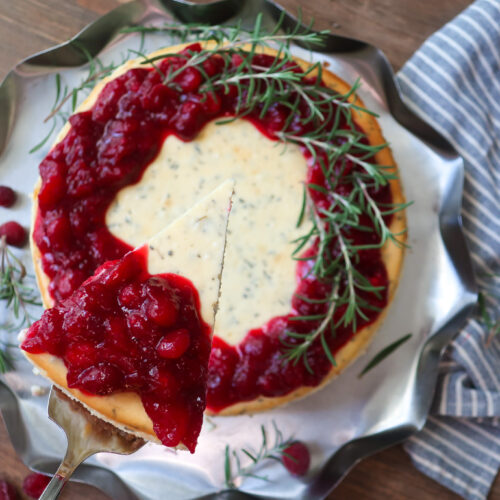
{"x":132,"y":343}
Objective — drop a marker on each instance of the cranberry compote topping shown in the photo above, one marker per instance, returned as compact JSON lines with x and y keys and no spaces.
{"x":111,"y":145}
{"x":124,"y":330}
{"x":7,"y":196}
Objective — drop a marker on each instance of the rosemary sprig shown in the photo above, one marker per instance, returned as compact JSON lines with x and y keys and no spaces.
{"x":386,"y":351}
{"x":17,"y":294}
{"x":492,"y":324}
{"x":6,"y":358}
{"x":233,"y":468}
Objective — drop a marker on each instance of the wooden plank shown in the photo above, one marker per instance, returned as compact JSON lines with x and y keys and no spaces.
{"x":396,"y":26}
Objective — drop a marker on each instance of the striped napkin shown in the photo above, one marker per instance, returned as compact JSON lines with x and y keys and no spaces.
{"x":453,"y":82}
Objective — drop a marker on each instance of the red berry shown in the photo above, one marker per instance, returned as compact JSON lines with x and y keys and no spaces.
{"x":162,"y":311}
{"x":130,"y":295}
{"x":189,"y":80}
{"x":137,"y":324}
{"x":101,"y":379}
{"x":7,"y":196}
{"x":174,"y":344}
{"x":34,"y":484}
{"x":14,"y":233}
{"x":296,"y":459}
{"x":7,"y":491}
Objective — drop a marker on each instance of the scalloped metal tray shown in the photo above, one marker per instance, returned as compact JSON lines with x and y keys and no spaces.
{"x":349,"y":419}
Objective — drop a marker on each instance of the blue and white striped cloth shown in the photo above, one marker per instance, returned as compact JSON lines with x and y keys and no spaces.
{"x":453,"y":82}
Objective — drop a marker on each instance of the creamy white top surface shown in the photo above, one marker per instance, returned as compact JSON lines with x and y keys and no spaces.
{"x":258,"y":277}
{"x":193,"y":246}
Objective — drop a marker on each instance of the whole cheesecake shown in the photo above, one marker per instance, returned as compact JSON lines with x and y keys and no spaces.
{"x":138,"y":153}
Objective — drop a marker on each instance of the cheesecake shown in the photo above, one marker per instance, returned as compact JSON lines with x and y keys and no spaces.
{"x":138,"y":153}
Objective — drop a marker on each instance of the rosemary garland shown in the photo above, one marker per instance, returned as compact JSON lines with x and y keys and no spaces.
{"x":233,"y":468}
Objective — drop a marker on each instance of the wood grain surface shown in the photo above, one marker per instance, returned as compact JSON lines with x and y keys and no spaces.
{"x":398,"y":27}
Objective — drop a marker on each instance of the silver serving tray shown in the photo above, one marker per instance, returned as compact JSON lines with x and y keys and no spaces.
{"x":349,"y":419}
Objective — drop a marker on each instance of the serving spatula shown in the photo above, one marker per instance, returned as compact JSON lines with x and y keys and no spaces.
{"x":86,"y":436}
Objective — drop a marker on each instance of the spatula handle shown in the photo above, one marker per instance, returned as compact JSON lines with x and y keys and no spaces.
{"x":53,"y":489}
{"x":61,"y":477}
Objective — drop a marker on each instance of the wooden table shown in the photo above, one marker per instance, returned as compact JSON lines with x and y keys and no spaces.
{"x":396,"y":26}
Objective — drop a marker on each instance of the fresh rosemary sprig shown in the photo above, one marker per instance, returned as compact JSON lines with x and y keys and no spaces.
{"x":492,"y":324}
{"x":233,"y":468}
{"x":6,"y":358}
{"x":14,"y":290}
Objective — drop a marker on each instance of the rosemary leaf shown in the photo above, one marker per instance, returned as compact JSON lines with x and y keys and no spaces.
{"x":386,"y":351}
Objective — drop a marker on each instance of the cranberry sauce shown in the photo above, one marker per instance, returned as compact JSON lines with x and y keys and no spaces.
{"x":111,"y":145}
{"x":125,"y":330}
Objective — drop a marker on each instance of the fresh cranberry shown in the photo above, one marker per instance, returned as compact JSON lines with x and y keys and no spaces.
{"x":7,"y":196}
{"x":34,"y":484}
{"x":14,"y":233}
{"x":296,"y":459}
{"x":174,"y":344}
{"x":7,"y":491}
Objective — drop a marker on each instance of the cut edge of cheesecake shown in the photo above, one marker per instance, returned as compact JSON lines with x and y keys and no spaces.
{"x":192,"y":246}
{"x":392,"y":254}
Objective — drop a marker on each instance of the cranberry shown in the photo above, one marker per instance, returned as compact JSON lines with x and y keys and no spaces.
{"x":80,"y":354}
{"x":158,"y":97}
{"x":189,"y":80}
{"x":59,"y":232}
{"x":162,"y":311}
{"x":14,"y":233}
{"x":53,"y":186}
{"x":131,"y":295}
{"x":34,"y":484}
{"x":7,"y":491}
{"x":296,"y":459}
{"x":137,"y":323}
{"x":101,"y":379}
{"x":188,"y":119}
{"x":174,"y":344}
{"x":7,"y":196}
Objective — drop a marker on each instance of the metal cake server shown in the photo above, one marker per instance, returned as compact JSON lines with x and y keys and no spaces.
{"x":86,"y":436}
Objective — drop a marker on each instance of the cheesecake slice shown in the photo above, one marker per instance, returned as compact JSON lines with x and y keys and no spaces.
{"x":132,"y":343}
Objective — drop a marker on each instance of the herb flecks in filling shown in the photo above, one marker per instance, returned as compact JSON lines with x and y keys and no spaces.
{"x":342,"y":280}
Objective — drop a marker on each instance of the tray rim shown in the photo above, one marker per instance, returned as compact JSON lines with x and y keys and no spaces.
{"x":351,"y":452}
